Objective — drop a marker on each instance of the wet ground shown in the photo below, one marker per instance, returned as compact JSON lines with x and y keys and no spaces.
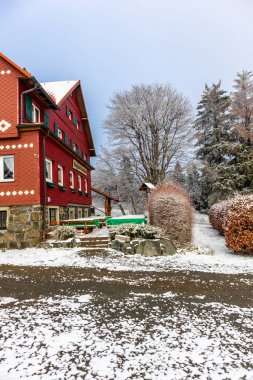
{"x":81,"y":323}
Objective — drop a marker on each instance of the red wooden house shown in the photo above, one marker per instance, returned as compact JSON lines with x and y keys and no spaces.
{"x":45,"y":149}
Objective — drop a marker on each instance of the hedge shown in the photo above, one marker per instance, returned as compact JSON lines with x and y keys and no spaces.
{"x":170,"y":209}
{"x":234,"y":219}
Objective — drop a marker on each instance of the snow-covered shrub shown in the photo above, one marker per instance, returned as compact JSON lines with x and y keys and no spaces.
{"x":217,"y":216}
{"x":170,"y":209}
{"x":63,"y":233}
{"x":239,"y":224}
{"x":135,"y":231}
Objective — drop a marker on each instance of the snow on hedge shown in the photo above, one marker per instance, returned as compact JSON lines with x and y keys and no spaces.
{"x":234,"y":219}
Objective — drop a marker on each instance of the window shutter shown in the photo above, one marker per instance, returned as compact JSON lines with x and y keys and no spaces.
{"x":78,"y":151}
{"x":66,"y":138}
{"x":46,"y":119}
{"x":75,"y":120}
{"x":56,"y":129}
{"x":28,"y":108}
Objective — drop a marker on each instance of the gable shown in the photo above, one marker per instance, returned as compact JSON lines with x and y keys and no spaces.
{"x":9,"y":92}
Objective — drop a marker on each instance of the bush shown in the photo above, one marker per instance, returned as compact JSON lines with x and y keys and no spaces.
{"x":239,"y":224}
{"x":135,"y":231}
{"x":217,"y":216}
{"x":64,"y":233}
{"x":170,"y":209}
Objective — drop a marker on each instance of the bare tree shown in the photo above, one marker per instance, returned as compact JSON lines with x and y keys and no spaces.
{"x":153,"y":124}
{"x":114,"y":176}
{"x":242,"y":105}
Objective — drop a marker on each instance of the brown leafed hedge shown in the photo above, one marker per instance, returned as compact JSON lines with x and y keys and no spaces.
{"x":217,"y":216}
{"x":234,"y":219}
{"x":170,"y":209}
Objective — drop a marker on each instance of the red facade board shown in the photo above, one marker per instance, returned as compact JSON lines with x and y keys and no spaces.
{"x":26,"y":145}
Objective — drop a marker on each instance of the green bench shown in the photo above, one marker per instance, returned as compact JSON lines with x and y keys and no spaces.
{"x":86,"y":226}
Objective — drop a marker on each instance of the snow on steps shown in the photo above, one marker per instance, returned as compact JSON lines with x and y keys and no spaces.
{"x":94,"y":241}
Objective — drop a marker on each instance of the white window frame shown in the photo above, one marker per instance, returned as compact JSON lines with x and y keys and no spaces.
{"x":79,"y":179}
{"x":2,"y":179}
{"x":60,"y":177}
{"x":71,"y":180}
{"x":85,"y":185}
{"x":34,"y":108}
{"x":47,"y":160}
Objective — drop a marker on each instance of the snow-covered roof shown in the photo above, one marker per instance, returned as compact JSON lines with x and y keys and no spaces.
{"x":147,"y":185}
{"x":59,"y":89}
{"x":150,"y":185}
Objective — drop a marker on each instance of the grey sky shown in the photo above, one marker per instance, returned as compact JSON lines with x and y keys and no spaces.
{"x":112,"y":44}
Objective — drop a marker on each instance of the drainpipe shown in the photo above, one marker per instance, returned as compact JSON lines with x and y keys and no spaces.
{"x":43,"y":154}
{"x":22,"y":102}
{"x":44,"y":185}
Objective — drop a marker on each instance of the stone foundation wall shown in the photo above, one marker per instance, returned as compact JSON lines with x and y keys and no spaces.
{"x":24,"y":227}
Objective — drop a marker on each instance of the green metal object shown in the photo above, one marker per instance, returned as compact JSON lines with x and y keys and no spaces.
{"x":126,"y":220}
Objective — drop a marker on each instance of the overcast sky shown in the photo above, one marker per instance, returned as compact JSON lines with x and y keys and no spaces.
{"x":112,"y":44}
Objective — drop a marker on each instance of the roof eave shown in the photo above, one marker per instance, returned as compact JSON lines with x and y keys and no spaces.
{"x":23,"y":71}
{"x":41,"y":90}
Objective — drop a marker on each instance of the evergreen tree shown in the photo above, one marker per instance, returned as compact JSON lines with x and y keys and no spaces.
{"x":197,"y":184}
{"x":178,"y":175}
{"x":215,"y":142}
{"x":242,"y":111}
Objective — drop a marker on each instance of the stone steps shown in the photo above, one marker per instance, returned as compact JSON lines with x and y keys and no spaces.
{"x":94,"y":242}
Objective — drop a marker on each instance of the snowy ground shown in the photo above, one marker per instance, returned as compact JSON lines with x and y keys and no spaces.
{"x":221,"y":260}
{"x":70,"y":314}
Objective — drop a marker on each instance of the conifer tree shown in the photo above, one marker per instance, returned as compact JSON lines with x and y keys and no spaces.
{"x":215,"y":142}
{"x":178,"y":175}
{"x":242,"y":111}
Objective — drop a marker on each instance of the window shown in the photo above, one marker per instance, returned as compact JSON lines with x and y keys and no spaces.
{"x":35,"y":114}
{"x":79,"y":183}
{"x":58,"y":131}
{"x":49,"y":170}
{"x":71,"y":179}
{"x":72,"y":213}
{"x":60,"y":175}
{"x":46,"y":119}
{"x":75,"y":122}
{"x":80,"y":213}
{"x":69,"y":113}
{"x":86,"y":213}
{"x":86,"y":185}
{"x":3,"y":218}
{"x":60,"y":134}
{"x":53,"y":215}
{"x":66,"y":138}
{"x":6,"y":168}
{"x":73,"y":145}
